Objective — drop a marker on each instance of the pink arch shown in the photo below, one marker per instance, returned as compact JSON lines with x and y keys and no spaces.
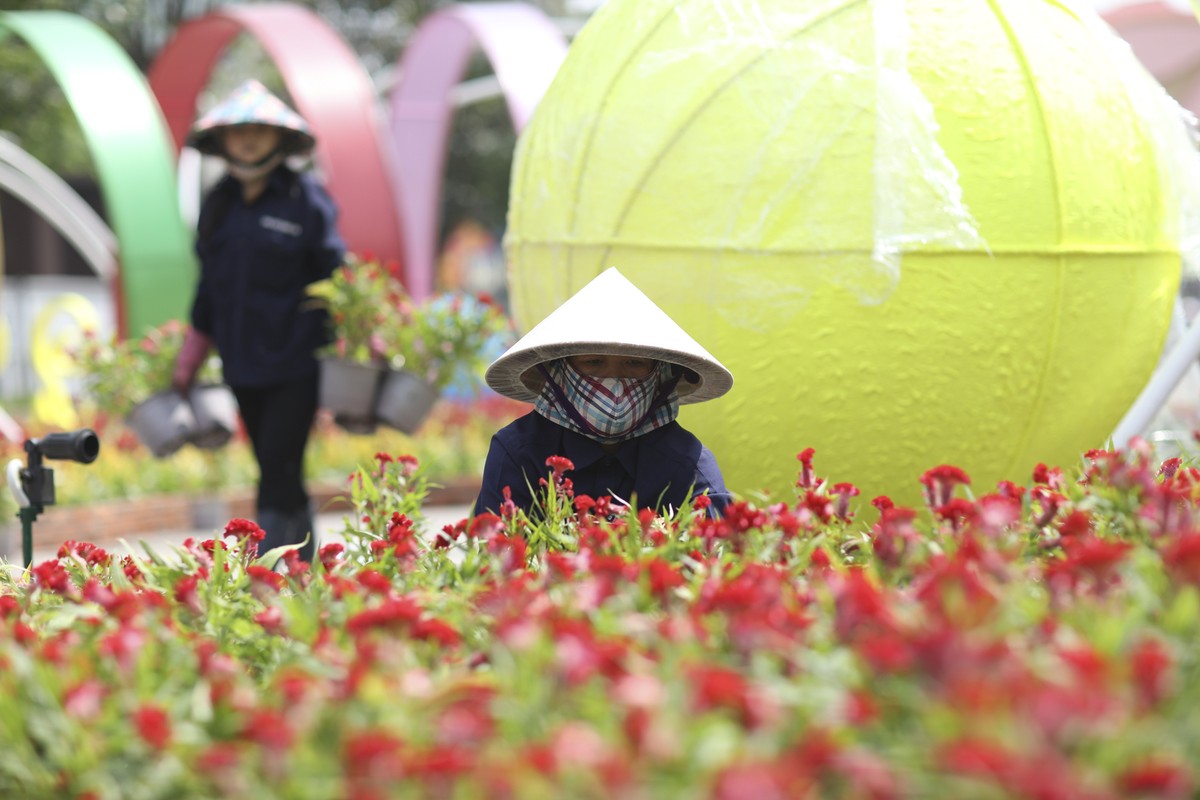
{"x":1167,"y":41}
{"x":331,"y":90}
{"x":525,"y":50}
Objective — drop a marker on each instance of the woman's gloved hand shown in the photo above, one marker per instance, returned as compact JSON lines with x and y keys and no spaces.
{"x":195,"y":349}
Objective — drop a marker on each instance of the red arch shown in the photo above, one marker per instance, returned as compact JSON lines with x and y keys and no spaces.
{"x":525,"y":50}
{"x":331,"y":90}
{"x":1167,"y":41}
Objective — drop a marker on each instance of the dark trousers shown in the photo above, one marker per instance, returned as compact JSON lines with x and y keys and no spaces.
{"x":278,"y":419}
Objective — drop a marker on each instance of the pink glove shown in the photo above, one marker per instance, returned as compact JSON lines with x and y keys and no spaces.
{"x":195,"y":349}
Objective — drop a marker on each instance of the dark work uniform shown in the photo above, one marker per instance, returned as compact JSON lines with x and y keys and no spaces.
{"x":663,"y":468}
{"x":256,"y":263}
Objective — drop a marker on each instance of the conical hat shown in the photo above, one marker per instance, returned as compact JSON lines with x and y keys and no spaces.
{"x":251,"y":103}
{"x":609,"y":316}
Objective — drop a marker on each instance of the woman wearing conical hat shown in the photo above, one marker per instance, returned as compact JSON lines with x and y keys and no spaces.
{"x":606,"y":373}
{"x":265,"y":233}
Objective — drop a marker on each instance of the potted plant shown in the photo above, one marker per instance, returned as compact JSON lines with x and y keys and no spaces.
{"x":435,"y":344}
{"x":390,"y":358}
{"x":358,"y":296}
{"x":129,"y":379}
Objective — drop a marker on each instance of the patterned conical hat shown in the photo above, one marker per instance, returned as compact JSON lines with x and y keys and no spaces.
{"x":251,"y":103}
{"x":609,"y":316}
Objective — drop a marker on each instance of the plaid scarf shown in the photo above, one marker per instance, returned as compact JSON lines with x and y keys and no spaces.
{"x":607,"y":409}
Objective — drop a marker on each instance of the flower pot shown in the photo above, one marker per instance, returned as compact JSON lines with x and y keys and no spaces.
{"x":349,"y":389}
{"x":216,"y":412}
{"x":209,"y":512}
{"x":404,"y":400}
{"x":164,"y":422}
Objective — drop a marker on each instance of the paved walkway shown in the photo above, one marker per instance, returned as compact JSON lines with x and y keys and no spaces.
{"x":328,"y":528}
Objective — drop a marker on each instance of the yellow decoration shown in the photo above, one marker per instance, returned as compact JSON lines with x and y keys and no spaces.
{"x":5,"y":347}
{"x":50,"y":355}
{"x":940,"y":231}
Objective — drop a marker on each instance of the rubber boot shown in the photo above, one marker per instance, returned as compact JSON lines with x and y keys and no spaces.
{"x":301,"y":527}
{"x":276,"y":525}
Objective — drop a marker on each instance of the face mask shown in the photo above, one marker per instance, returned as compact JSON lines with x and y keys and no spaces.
{"x":249,"y":172}
{"x":607,"y":409}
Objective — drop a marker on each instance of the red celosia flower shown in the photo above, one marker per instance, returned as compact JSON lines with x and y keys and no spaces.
{"x":977,"y":758}
{"x":1169,"y":467}
{"x":434,"y":630}
{"x":408,"y":465}
{"x":559,"y":465}
{"x":860,"y":606}
{"x":383,"y":460}
{"x":331,"y":555}
{"x":1049,"y":501}
{"x":758,"y":780}
{"x":954,"y":590}
{"x":392,"y":614}
{"x":662,"y":576}
{"x":373,"y":755}
{"x":1096,"y":557}
{"x":819,"y":505}
{"x":271,"y":620}
{"x":958,"y":511}
{"x":807,"y":478}
{"x":86,"y":551}
{"x":510,"y":550}
{"x":994,"y":513}
{"x":508,"y":509}
{"x":1150,"y":668}
{"x":244,"y":529}
{"x":374,"y":581}
{"x":939,"y":482}
{"x":264,"y":576}
{"x":269,"y":729}
{"x":893,"y":536}
{"x":132,"y":571}
{"x":52,"y":576}
{"x":843,"y":492}
{"x":186,"y":594}
{"x":83,"y":700}
{"x":1049,"y":476}
{"x":1010,"y":489}
{"x":1075,"y":524}
{"x":1157,"y":777}
{"x":219,"y":758}
{"x":485,"y":526}
{"x":440,"y":762}
{"x":153,"y":725}
{"x":719,"y":687}
{"x":1181,"y":557}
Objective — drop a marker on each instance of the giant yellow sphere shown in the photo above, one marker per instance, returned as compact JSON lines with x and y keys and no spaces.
{"x":939,"y":231}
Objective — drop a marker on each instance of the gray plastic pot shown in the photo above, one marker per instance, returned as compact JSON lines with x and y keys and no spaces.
{"x":404,"y":400}
{"x":349,"y":389}
{"x":215,"y":411}
{"x":163,"y":422}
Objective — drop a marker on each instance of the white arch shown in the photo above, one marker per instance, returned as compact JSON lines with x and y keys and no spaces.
{"x":28,"y":179}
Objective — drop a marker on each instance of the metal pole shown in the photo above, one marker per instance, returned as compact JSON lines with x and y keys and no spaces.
{"x":28,"y":514}
{"x":1165,"y":378}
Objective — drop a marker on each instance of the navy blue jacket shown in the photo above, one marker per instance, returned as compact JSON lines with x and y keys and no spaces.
{"x":256,"y":262}
{"x":663,"y":468}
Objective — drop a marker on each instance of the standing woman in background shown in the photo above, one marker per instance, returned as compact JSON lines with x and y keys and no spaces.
{"x":264,"y":234}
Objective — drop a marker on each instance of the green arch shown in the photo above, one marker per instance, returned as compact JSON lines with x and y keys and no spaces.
{"x":131,"y":148}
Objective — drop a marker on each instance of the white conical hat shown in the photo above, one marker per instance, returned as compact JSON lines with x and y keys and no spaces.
{"x":609,"y":316}
{"x":251,"y":102}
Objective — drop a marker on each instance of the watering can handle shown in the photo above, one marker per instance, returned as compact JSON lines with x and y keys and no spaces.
{"x":14,"y":482}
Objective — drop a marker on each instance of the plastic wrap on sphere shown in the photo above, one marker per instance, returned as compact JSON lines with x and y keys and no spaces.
{"x":925,"y":232}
